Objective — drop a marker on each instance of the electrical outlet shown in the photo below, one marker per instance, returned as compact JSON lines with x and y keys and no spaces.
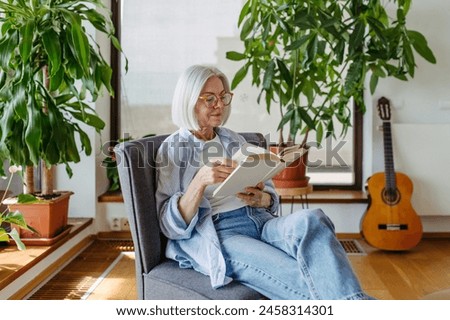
{"x":115,"y":224}
{"x":124,"y":224}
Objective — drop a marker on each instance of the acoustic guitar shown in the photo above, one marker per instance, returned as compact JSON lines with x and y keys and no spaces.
{"x":390,"y":222}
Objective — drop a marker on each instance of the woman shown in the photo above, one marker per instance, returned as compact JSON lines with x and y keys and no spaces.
{"x":238,"y":237}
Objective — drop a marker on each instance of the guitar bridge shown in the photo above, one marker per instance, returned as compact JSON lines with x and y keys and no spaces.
{"x":393,"y":226}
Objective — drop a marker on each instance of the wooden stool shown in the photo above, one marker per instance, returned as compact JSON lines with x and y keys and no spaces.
{"x":295,"y":192}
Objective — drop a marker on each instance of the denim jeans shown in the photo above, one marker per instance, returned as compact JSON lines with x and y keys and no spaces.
{"x":293,"y":257}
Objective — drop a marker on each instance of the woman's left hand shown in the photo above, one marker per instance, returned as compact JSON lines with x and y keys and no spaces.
{"x":255,"y":196}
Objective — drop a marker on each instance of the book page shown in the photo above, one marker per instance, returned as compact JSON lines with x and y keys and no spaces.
{"x":246,"y":150}
{"x":290,"y":154}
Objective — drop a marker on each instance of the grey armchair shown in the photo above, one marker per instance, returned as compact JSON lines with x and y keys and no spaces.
{"x":158,"y":278}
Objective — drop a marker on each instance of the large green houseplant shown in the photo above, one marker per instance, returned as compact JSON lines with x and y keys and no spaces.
{"x":51,"y":68}
{"x":311,"y":57}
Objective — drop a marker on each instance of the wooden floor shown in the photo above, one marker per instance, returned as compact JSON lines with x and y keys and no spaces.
{"x":384,"y":275}
{"x":405,"y":275}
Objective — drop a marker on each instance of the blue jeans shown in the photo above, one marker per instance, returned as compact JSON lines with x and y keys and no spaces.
{"x":293,"y":257}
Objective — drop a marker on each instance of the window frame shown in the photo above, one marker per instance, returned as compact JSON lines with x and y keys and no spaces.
{"x":115,"y":118}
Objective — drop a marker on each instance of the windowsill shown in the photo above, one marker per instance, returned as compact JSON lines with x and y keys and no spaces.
{"x":15,"y":263}
{"x":322,"y":196}
{"x":111,"y":196}
{"x":332,"y":196}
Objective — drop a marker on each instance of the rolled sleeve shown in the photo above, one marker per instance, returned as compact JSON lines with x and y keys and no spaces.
{"x":270,"y":189}
{"x":172,"y":223}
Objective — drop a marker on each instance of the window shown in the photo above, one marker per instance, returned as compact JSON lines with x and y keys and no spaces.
{"x":162,"y":38}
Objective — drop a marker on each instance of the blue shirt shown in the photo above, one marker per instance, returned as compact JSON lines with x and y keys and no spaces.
{"x":194,"y":245}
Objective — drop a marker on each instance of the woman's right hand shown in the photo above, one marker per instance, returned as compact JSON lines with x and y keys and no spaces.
{"x":215,"y":171}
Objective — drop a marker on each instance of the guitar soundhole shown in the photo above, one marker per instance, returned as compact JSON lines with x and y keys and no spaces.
{"x":391,"y":196}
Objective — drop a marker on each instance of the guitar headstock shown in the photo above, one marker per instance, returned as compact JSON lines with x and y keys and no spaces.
{"x":384,"y":109}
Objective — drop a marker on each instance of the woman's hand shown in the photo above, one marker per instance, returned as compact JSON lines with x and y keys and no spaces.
{"x":211,"y":173}
{"x":255,"y":196}
{"x":215,"y":171}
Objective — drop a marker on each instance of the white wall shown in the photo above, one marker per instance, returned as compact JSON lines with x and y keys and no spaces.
{"x":89,"y":178}
{"x":420,"y":106}
{"x":425,"y":99}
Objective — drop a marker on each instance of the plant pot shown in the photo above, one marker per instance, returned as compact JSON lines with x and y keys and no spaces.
{"x":294,"y":176}
{"x":48,"y":217}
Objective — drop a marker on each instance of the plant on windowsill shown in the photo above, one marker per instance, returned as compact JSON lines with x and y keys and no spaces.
{"x":11,"y":219}
{"x":311,"y":58}
{"x":51,"y":68}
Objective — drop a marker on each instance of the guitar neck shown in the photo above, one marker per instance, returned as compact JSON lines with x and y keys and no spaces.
{"x":391,"y":183}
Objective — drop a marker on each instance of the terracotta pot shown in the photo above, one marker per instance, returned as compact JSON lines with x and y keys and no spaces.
{"x":293,"y":176}
{"x":48,"y":217}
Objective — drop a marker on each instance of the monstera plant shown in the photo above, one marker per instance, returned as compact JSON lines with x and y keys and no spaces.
{"x":51,"y":71}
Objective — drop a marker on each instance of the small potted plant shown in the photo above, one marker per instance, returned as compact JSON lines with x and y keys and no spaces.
{"x":9,"y":220}
{"x":51,"y":68}
{"x":311,"y":58}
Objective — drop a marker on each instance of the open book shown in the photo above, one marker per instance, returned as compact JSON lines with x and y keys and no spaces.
{"x":256,"y":164}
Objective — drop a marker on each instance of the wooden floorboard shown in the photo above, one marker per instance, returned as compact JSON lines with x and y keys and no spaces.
{"x":405,"y":275}
{"x":384,"y":275}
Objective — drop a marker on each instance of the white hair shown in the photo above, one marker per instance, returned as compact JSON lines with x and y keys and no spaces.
{"x":187,"y":91}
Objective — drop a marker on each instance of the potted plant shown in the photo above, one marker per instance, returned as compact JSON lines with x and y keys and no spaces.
{"x":11,"y":219}
{"x":50,"y":69}
{"x":311,"y":58}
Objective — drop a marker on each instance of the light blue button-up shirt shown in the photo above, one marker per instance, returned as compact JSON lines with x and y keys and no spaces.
{"x":194,"y":245}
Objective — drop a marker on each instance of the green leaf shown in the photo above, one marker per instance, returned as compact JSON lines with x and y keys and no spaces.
{"x":285,"y":72}
{"x":56,"y":79}
{"x":305,"y":117}
{"x":319,"y":132}
{"x":106,"y":75}
{"x":268,"y":75}
{"x":298,"y":43}
{"x":312,"y":48}
{"x":52,"y":46}
{"x":235,"y":56}
{"x":357,"y":37}
{"x":59,"y":100}
{"x":246,"y":29}
{"x":239,"y":76}
{"x":27,"y":34}
{"x":409,"y":58}
{"x":16,"y":237}
{"x":85,"y":142}
{"x":26,"y":198}
{"x":3,"y":235}
{"x":90,"y":119}
{"x":244,"y":12}
{"x":373,"y":83}
{"x":420,"y":44}
{"x":7,"y":46}
{"x":353,"y":75}
{"x":97,"y":20}
{"x":19,"y":100}
{"x":406,"y":5}
{"x":283,"y":25}
{"x":79,"y":41}
{"x":71,"y":151}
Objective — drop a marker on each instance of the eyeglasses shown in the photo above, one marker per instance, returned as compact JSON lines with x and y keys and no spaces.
{"x":211,"y":99}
